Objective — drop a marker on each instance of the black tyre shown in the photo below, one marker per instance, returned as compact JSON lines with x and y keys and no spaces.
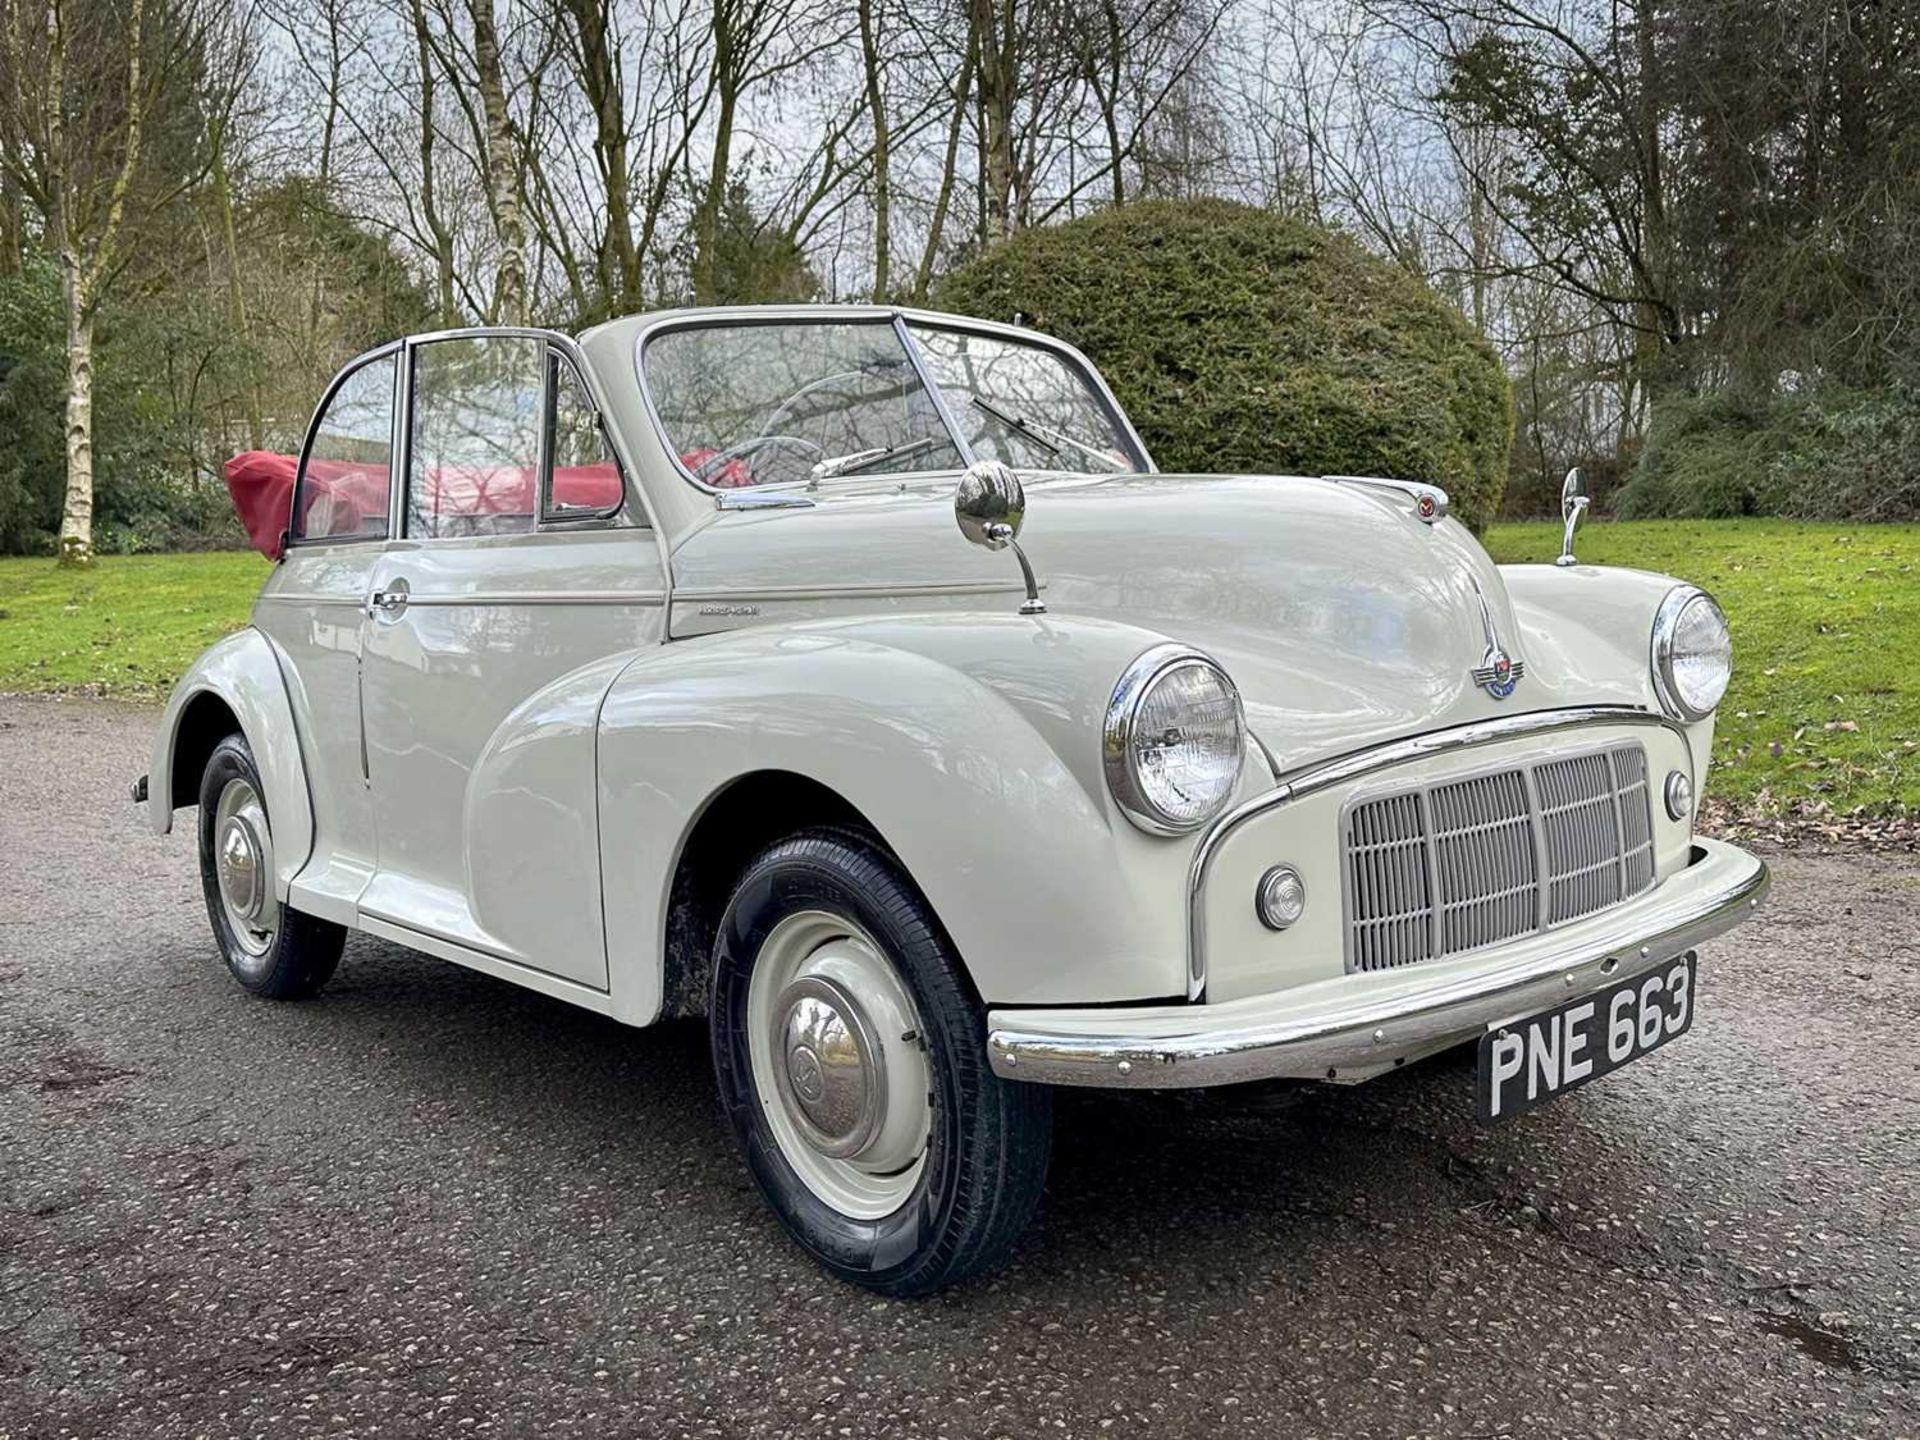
{"x":851,"y":1057}
{"x":270,"y":948}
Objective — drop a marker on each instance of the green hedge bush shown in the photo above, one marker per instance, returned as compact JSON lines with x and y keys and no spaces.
{"x":1243,"y":341}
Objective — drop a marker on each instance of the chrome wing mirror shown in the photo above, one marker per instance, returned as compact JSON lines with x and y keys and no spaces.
{"x":1573,"y":509}
{"x":990,"y":505}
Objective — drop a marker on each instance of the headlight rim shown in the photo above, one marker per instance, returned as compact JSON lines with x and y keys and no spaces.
{"x":1116,"y":735}
{"x":1666,"y":621}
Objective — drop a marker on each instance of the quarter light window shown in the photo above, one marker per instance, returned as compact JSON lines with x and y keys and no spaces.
{"x":585,"y":478}
{"x":476,"y":436}
{"x":348,"y":476}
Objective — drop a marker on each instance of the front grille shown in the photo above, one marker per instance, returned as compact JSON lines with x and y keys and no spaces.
{"x":1445,"y":868}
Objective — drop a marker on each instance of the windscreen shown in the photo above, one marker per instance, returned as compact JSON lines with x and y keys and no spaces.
{"x":794,"y":402}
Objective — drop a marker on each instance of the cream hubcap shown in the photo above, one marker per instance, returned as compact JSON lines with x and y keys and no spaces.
{"x":838,"y":1063}
{"x":243,"y":867}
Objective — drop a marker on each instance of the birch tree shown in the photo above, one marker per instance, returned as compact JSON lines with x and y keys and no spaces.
{"x":509,"y":305}
{"x":83,"y":80}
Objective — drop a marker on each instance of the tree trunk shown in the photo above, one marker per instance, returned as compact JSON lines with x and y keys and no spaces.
{"x":13,"y":227}
{"x":998,"y":62}
{"x":503,"y":187}
{"x":882,"y":160}
{"x":706,"y":229}
{"x":236,"y":291}
{"x":930,"y":255}
{"x":1658,"y":319}
{"x":330,"y":120}
{"x":76,"y":512}
{"x":619,"y":259}
{"x":1109,"y":101}
{"x":429,"y":198}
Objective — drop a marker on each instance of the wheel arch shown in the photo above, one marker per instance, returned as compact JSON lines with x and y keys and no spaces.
{"x":740,"y":820}
{"x":236,"y":685}
{"x":205,"y":720}
{"x":1045,"y":892}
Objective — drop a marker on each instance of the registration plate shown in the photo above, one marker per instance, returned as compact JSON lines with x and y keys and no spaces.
{"x":1525,"y":1063}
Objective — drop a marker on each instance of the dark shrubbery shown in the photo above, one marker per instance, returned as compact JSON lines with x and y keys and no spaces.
{"x":1833,"y":455}
{"x":141,"y":499}
{"x":1239,"y":340}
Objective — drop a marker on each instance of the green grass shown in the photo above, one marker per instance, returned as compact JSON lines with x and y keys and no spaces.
{"x":128,"y":626}
{"x":1825,"y":705}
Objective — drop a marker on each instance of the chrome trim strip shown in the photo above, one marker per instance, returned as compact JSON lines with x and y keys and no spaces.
{"x":1369,"y":1036}
{"x":1307,"y":779}
{"x":1418,"y":491}
{"x":877,"y":591}
{"x":466,"y":952}
{"x":940,"y":407}
{"x":318,"y":598}
{"x":647,"y":598}
{"x":760,"y":500}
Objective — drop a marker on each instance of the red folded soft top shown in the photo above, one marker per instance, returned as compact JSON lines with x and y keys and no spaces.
{"x":261,"y":485}
{"x":348,"y":497}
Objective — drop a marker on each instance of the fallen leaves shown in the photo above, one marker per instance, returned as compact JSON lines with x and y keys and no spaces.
{"x":1810,"y":824}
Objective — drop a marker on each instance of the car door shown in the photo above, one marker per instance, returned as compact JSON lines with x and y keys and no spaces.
{"x":521,"y":558}
{"x":313,"y":608}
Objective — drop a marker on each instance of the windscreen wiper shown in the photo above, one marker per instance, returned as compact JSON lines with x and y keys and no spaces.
{"x":855,"y":460}
{"x":1045,"y":435}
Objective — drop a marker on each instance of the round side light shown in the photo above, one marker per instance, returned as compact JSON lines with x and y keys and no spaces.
{"x":1280,"y":899}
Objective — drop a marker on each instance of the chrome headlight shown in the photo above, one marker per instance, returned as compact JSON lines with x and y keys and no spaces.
{"x":1692,"y":654}
{"x":1173,"y":740}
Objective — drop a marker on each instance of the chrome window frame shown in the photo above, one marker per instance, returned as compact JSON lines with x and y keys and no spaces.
{"x":900,"y":319}
{"x":577,"y":517}
{"x":634,"y":512}
{"x":557,"y":347}
{"x":391,"y":350}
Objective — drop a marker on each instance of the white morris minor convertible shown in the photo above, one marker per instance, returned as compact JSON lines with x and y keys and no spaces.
{"x":650,"y":670}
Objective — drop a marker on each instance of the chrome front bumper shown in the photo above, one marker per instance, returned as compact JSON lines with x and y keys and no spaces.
{"x":1352,"y":1027}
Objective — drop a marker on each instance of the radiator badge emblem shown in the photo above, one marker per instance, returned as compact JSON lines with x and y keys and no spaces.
{"x":1497,"y":673}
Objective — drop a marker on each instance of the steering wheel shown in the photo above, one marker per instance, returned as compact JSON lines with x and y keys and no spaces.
{"x":753,"y":445}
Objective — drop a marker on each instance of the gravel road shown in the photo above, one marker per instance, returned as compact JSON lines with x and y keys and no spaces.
{"x":433,"y":1204}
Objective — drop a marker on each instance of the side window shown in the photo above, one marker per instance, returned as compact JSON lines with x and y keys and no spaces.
{"x":476,"y":436}
{"x":348,"y":475}
{"x":584,"y":480}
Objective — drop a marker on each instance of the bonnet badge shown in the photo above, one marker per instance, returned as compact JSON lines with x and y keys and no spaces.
{"x":1497,"y":673}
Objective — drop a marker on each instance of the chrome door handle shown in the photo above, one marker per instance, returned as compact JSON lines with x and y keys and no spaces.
{"x":389,"y":602}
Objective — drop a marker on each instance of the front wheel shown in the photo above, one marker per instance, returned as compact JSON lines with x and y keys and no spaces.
{"x":270,"y":948}
{"x":851,"y":1058}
